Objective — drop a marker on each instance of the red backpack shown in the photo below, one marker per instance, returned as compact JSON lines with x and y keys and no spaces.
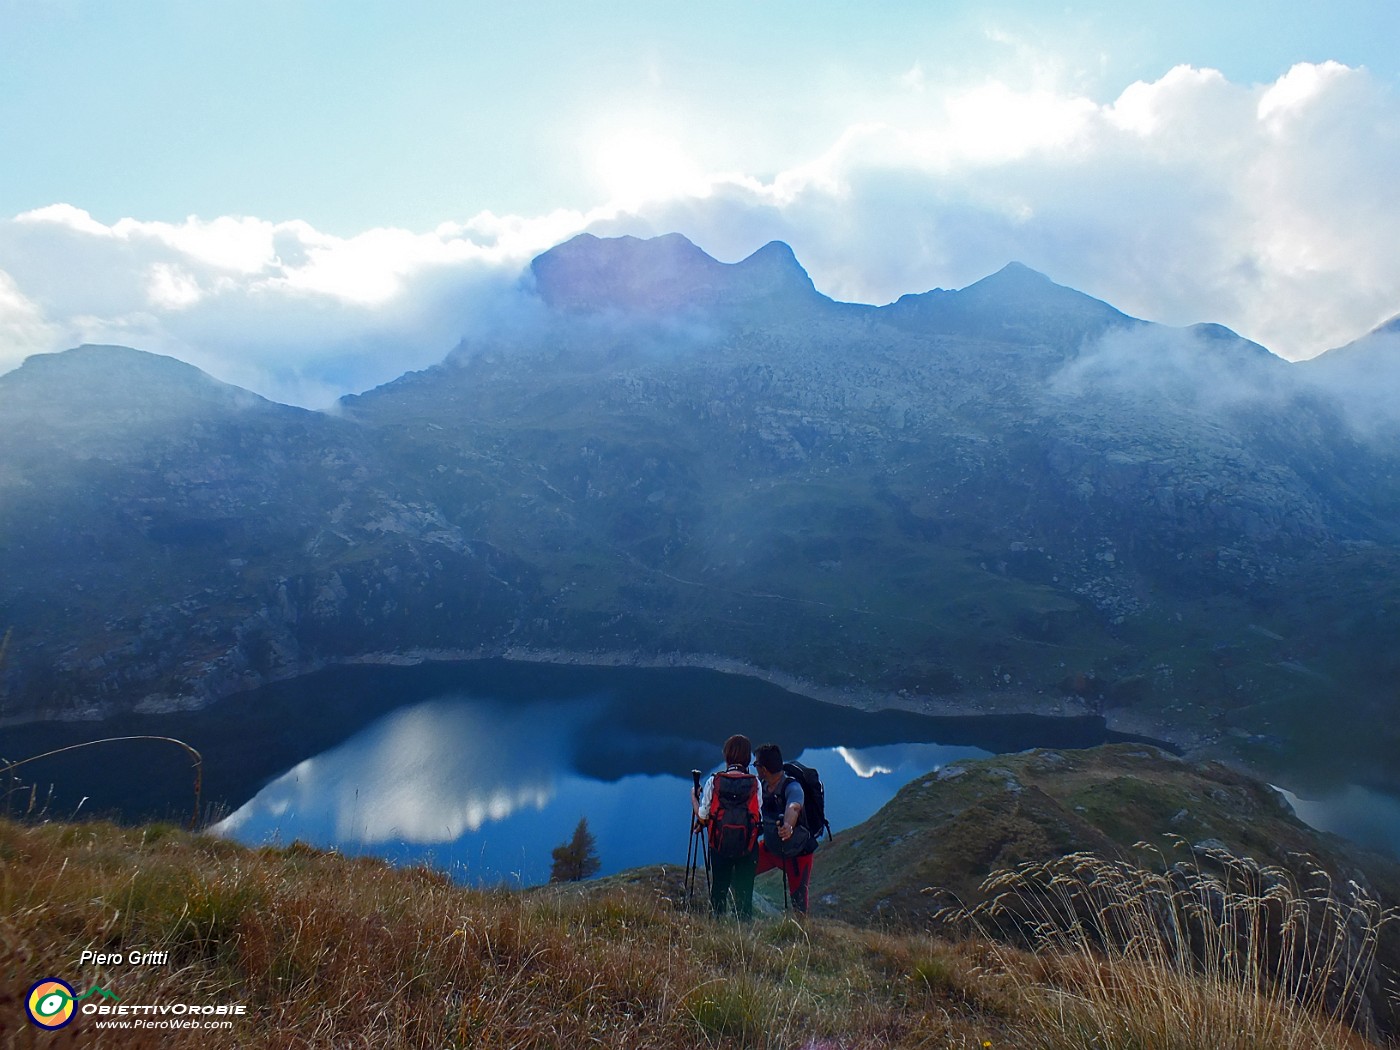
{"x":734,"y":814}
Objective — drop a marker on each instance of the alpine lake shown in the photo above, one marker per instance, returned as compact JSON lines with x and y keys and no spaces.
{"x":481,"y":768}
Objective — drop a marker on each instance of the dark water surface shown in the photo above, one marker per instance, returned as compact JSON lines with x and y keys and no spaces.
{"x":483,"y":767}
{"x":1368,"y":817}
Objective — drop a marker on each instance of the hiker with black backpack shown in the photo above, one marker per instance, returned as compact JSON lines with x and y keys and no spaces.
{"x":728,"y":808}
{"x":788,"y":839}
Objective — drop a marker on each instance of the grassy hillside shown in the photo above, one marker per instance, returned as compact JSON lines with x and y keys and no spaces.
{"x":325,"y":951}
{"x":943,"y":833}
{"x":1064,"y":846}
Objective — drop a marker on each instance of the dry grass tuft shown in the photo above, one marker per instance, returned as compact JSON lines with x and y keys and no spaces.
{"x":1217,"y":952}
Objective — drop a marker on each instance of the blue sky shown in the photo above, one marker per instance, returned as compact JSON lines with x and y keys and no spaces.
{"x":352,"y":115}
{"x":367,"y":174}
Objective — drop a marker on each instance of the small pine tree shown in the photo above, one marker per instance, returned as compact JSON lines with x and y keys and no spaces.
{"x":576,"y":859}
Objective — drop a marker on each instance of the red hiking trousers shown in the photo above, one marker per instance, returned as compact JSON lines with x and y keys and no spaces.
{"x":799,"y":873}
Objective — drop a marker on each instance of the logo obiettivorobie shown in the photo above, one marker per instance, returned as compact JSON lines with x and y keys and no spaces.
{"x":51,"y":1003}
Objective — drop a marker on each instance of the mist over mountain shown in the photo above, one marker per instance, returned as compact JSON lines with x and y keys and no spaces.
{"x":1365,"y":376}
{"x":1007,"y":497}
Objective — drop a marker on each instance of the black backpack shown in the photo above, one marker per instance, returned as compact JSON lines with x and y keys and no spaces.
{"x":734,"y":814}
{"x":814,"y":804}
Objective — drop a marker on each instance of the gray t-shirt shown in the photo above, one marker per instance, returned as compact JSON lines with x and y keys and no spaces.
{"x":789,"y":793}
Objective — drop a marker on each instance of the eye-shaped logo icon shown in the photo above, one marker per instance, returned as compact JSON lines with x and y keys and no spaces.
{"x":50,"y":1003}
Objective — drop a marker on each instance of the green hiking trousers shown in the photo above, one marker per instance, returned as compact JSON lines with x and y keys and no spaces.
{"x":736,"y":875}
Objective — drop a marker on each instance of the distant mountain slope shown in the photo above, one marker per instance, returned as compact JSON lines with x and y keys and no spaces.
{"x":166,"y":538}
{"x":1009,"y":497}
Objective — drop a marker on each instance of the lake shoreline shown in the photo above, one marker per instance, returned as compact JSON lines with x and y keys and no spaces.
{"x":986,"y":704}
{"x":983,"y":704}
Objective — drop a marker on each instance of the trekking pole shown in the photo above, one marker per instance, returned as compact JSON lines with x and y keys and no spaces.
{"x":695,"y":857}
{"x":690,"y":857}
{"x":697,"y":852}
{"x":705,"y":851}
{"x":690,"y":865}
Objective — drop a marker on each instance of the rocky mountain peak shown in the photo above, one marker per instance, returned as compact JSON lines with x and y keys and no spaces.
{"x":111,"y":373}
{"x":1015,"y":303}
{"x":1017,"y":284}
{"x":661,"y":275}
{"x":101,"y":390}
{"x":775,"y":260}
{"x":1228,"y":341}
{"x":1014,"y":277}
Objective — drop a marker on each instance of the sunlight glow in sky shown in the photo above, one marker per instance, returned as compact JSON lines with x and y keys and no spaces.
{"x":310,"y":198}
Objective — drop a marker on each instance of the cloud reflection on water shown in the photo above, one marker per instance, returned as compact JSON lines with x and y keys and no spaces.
{"x":486,"y":788}
{"x":425,"y":774}
{"x":858,"y":781}
{"x":860,"y":765}
{"x":489,"y":788}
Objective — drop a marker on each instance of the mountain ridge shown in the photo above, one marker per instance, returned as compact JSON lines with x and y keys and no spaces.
{"x":662,"y":273}
{"x":990,"y":504}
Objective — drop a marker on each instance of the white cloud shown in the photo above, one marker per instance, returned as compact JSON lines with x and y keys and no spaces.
{"x":23,"y":330}
{"x":1166,"y":115}
{"x":994,"y":124}
{"x":1295,"y":89}
{"x":172,"y":288}
{"x":281,"y":308}
{"x":69,"y":216}
{"x":1267,"y":208}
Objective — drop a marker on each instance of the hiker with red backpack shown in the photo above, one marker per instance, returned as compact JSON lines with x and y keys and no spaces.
{"x":728,"y":808}
{"x":788,"y":839}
